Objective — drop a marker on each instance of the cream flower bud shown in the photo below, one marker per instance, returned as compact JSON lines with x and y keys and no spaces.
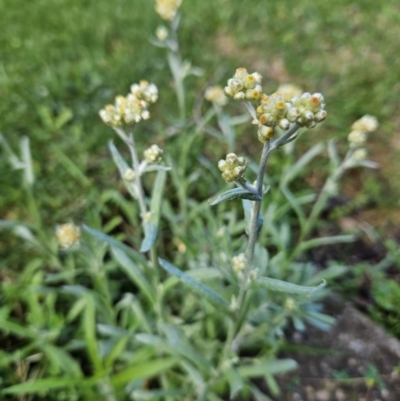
{"x":167,"y":9}
{"x":241,"y":73}
{"x":129,"y":174}
{"x":357,"y":138}
{"x":239,"y":96}
{"x":111,"y":116}
{"x":360,"y":154}
{"x":310,"y":109}
{"x":215,"y":94}
{"x":249,"y":82}
{"x":264,"y":133}
{"x":153,"y":154}
{"x":67,"y":235}
{"x":366,"y":123}
{"x":239,"y":263}
{"x":244,"y":86}
{"x":272,"y":110}
{"x":145,"y":91}
{"x":232,"y":167}
{"x":161,"y":33}
{"x":290,"y":304}
{"x":284,"y":123}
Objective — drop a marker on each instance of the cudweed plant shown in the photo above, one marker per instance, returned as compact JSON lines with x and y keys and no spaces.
{"x":155,"y":339}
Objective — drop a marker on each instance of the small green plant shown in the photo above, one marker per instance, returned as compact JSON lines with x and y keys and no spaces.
{"x":121,"y":314}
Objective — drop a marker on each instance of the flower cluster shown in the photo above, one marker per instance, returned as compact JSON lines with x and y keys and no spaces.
{"x":67,"y":235}
{"x":244,"y":86}
{"x":167,"y":8}
{"x":215,"y":94}
{"x":306,"y":110}
{"x":153,"y":154}
{"x":272,"y":111}
{"x":358,"y":136}
{"x":132,"y":108}
{"x":287,"y":105}
{"x":232,"y":167}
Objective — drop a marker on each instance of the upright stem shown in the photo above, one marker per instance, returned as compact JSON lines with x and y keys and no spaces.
{"x":256,"y":207}
{"x":253,"y":234}
{"x":175,"y":64}
{"x":135,"y":160}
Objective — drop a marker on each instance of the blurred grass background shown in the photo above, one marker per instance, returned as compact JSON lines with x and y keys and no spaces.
{"x":62,"y":60}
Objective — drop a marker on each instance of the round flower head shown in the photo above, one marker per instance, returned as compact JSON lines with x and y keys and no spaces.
{"x":366,"y":123}
{"x":264,"y":133}
{"x":357,"y":138}
{"x":145,"y":91}
{"x":272,"y":111}
{"x":111,"y":116}
{"x":153,"y":154}
{"x":167,"y":9}
{"x":215,"y":94}
{"x":135,"y":110}
{"x":129,"y":174}
{"x":244,"y":86}
{"x":306,"y":110}
{"x":232,"y":167}
{"x":360,"y":154}
{"x":161,"y":33}
{"x":239,"y":263}
{"x":67,"y":235}
{"x":132,"y":108}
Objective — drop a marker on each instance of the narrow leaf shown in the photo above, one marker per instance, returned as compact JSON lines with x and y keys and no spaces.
{"x":151,"y":227}
{"x":133,"y":272}
{"x":235,"y":382}
{"x":235,"y":193}
{"x":197,"y":286}
{"x":122,"y":166}
{"x":156,"y":167}
{"x":89,"y":329}
{"x":337,"y":239}
{"x":150,"y":235}
{"x":115,"y":243}
{"x":142,"y":371}
{"x":271,"y":367}
{"x":42,"y":385}
{"x":118,"y":159}
{"x":283,"y":286}
{"x":247,"y":216}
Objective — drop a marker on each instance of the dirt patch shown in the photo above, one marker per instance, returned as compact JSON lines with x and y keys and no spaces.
{"x":355,"y":361}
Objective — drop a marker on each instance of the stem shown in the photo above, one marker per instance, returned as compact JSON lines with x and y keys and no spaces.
{"x":249,"y":251}
{"x":283,"y":138}
{"x":175,"y":64}
{"x":139,"y":189}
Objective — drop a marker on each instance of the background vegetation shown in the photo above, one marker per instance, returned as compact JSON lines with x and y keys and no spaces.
{"x":61,"y":61}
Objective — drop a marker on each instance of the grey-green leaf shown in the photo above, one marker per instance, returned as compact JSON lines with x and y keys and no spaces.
{"x":283,"y":286}
{"x":133,"y":272}
{"x":151,"y":227}
{"x":247,"y":216}
{"x":115,"y":243}
{"x":235,"y":193}
{"x":198,"y":287}
{"x":271,"y":367}
{"x":150,"y":235}
{"x":235,"y":382}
